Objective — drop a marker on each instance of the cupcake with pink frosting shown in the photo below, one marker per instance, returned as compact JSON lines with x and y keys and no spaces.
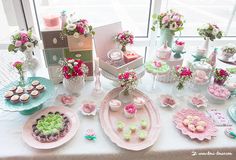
{"x":218,"y":92}
{"x":130,"y":110}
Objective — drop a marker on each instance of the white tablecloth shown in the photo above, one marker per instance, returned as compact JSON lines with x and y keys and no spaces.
{"x":171,"y":144}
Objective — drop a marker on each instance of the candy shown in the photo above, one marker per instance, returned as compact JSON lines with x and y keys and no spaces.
{"x":90,"y":135}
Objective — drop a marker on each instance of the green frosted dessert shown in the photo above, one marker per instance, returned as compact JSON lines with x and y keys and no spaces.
{"x":127,"y":135}
{"x":157,"y":67}
{"x":142,"y":135}
{"x":120,"y":125}
{"x":143,"y":123}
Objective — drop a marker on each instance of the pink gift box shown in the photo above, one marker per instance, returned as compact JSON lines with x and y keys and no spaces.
{"x":130,"y":56}
{"x":51,"y":20}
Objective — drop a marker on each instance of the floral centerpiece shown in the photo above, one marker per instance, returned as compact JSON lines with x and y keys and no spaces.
{"x":124,"y":38}
{"x":128,"y":81}
{"x":80,"y":27}
{"x":220,"y":76}
{"x":228,"y":50}
{"x":182,"y":75}
{"x":22,"y":40}
{"x":209,"y":32}
{"x":18,"y":65}
{"x":74,"y":72}
{"x":169,"y":23}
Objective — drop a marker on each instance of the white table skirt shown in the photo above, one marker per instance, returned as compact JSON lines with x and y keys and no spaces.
{"x":171,"y":144}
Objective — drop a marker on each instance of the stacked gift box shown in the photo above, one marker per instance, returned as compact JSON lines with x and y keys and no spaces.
{"x":58,"y":46}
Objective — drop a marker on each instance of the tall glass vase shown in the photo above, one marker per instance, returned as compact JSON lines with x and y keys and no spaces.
{"x":166,"y":36}
{"x":126,"y":96}
{"x":22,"y":78}
{"x":206,"y":44}
{"x":30,"y":62}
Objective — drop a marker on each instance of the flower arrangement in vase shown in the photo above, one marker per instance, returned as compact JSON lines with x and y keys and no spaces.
{"x":124,"y":38}
{"x":220,"y":76}
{"x":25,"y":42}
{"x":228,"y":51}
{"x":74,"y":72}
{"x":169,"y":23}
{"x":19,"y":67}
{"x":182,"y":75}
{"x":128,"y":81}
{"x":209,"y":32}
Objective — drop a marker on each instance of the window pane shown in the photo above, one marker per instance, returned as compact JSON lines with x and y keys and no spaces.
{"x":133,"y":14}
{"x":198,"y":12}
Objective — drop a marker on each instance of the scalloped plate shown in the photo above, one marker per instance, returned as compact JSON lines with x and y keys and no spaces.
{"x":108,"y":121}
{"x":232,"y":112}
{"x":31,"y":141}
{"x":206,"y":135}
{"x":44,"y":96}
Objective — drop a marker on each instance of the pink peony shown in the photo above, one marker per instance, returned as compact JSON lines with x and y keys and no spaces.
{"x":176,"y":18}
{"x":18,"y":43}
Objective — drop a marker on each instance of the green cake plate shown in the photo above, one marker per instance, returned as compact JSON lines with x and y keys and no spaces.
{"x":232,"y":112}
{"x":34,"y":104}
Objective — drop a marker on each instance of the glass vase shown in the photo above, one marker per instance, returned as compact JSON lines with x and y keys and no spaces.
{"x":177,"y":91}
{"x":30,"y":62}
{"x":123,"y":48}
{"x":74,"y":85}
{"x":22,"y":78}
{"x":126,"y":96}
{"x":219,"y":82}
{"x":166,"y":35}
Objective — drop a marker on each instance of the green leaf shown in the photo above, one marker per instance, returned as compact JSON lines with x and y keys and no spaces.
{"x":153,"y":28}
{"x":154,"y":16}
{"x":11,"y":48}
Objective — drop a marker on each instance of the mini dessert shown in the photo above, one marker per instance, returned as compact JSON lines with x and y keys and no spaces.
{"x":194,"y":124}
{"x":127,"y":135}
{"x":34,"y":93}
{"x":19,"y":90}
{"x":130,"y":110}
{"x":164,"y":52}
{"x":15,"y":99}
{"x":130,"y":56}
{"x":115,"y":105}
{"x":142,"y":135}
{"x":133,"y":128}
{"x":90,"y":135}
{"x":40,"y":88}
{"x":218,"y":91}
{"x":139,"y":102}
{"x":24,"y":98}
{"x":200,"y":77}
{"x":68,"y":100}
{"x":29,"y":89}
{"x":157,"y":67}
{"x":198,"y":100}
{"x":88,"y":108}
{"x":179,"y":46}
{"x":35,"y":83}
{"x":167,"y":101}
{"x":51,"y":127}
{"x":13,"y":89}
{"x":120,"y":125}
{"x":143,"y":123}
{"x":8,"y":94}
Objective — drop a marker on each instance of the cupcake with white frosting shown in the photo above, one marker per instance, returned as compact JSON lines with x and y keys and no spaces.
{"x":115,"y":105}
{"x":24,"y":98}
{"x":139,"y":102}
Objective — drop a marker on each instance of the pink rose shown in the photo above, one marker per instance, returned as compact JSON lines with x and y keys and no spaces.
{"x":80,"y":72}
{"x":17,"y":64}
{"x":165,"y":19}
{"x":24,"y":37}
{"x":131,"y":108}
{"x":80,"y":29}
{"x":120,"y":77}
{"x":18,"y":43}
{"x":65,"y":69}
{"x":126,"y":75}
{"x":67,"y":76}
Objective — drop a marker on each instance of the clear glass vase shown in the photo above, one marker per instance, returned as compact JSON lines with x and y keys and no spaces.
{"x":22,"y":78}
{"x":74,"y":85}
{"x":126,"y":96}
{"x":178,"y":91}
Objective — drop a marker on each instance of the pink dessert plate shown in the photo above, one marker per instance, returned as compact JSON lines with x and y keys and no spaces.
{"x":31,"y":141}
{"x":210,"y":130}
{"x":108,"y":120}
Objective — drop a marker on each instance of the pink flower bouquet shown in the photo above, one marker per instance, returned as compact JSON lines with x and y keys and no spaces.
{"x":169,"y":20}
{"x":220,"y":76}
{"x":78,"y":28}
{"x":124,"y":38}
{"x":72,"y":68}
{"x":182,"y":75}
{"x":18,"y":65}
{"x":128,"y":80}
{"x":21,"y":40}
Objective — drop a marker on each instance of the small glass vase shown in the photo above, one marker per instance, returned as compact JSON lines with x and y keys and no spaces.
{"x":74,"y":85}
{"x":123,"y":48}
{"x":126,"y":96}
{"x":177,"y":91}
{"x":219,"y":82}
{"x":22,"y":79}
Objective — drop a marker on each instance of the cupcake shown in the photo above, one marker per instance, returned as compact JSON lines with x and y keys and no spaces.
{"x":133,"y":128}
{"x":24,"y":98}
{"x":40,"y":88}
{"x":143,"y":123}
{"x":34,"y":93}
{"x":120,"y":125}
{"x":29,"y":89}
{"x":13,"y":88}
{"x":130,"y":110}
{"x":19,"y":90}
{"x":15,"y":99}
{"x":115,"y":105}
{"x":139,"y":102}
{"x":127,"y":135}
{"x":142,"y":135}
{"x":8,"y":95}
{"x":35,"y":83}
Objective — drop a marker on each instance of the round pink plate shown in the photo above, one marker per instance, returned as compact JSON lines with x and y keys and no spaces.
{"x":31,"y":141}
{"x":108,"y":120}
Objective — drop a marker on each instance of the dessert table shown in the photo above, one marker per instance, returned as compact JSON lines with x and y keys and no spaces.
{"x":171,"y":144}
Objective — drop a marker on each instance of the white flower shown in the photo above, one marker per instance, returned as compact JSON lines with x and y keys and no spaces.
{"x":70,"y":65}
{"x":76,"y":35}
{"x":71,"y":61}
{"x":75,"y":63}
{"x":70,"y":27}
{"x":173,"y":26}
{"x":215,"y":31}
{"x":205,"y":26}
